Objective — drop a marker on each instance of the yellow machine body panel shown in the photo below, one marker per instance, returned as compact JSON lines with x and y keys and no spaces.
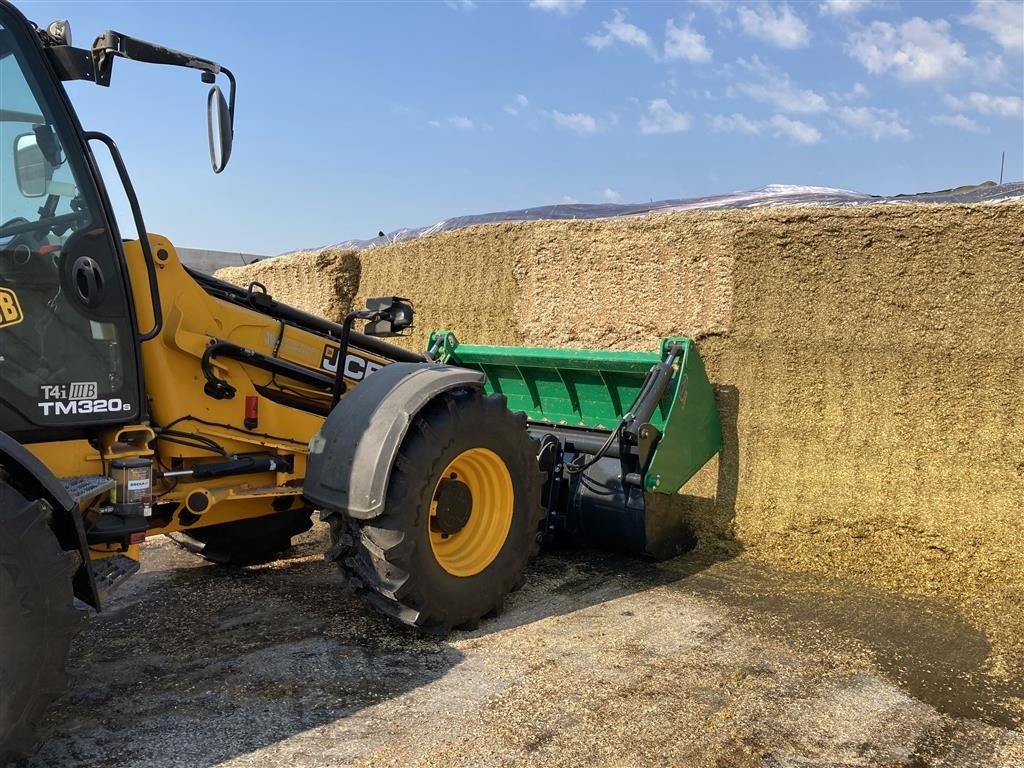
{"x":193,"y":319}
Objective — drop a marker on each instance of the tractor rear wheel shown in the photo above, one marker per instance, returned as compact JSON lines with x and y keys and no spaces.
{"x":244,"y":542}
{"x":38,"y":618}
{"x":460,"y":517}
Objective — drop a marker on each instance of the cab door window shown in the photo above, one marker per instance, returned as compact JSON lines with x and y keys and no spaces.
{"x":66,"y":343}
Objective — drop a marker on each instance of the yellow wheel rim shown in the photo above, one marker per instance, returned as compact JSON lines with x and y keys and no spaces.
{"x":470,"y":549}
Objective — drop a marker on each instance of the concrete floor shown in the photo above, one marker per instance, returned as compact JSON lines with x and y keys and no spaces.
{"x":599,"y":660}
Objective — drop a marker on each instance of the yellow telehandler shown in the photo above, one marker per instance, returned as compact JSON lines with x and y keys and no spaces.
{"x":140,"y":398}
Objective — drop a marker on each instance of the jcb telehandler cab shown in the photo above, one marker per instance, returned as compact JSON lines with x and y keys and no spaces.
{"x":139,"y":398}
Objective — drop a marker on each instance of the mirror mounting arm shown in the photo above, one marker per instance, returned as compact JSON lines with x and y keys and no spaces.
{"x":97,"y":65}
{"x":111,"y":44}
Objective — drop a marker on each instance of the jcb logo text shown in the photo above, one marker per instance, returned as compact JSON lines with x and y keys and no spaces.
{"x":10,"y":309}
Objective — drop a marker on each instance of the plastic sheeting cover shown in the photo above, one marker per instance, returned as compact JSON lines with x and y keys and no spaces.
{"x":773,"y":194}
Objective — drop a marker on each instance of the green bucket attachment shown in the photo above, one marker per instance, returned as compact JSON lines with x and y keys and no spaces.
{"x":609,"y":425}
{"x":594,"y":390}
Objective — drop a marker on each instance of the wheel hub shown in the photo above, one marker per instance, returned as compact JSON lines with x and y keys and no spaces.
{"x":454,"y":505}
{"x":471,"y":512}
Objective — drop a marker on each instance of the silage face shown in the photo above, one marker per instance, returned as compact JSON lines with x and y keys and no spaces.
{"x":868,"y":364}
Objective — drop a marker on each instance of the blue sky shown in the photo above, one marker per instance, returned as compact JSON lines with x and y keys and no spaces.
{"x":356,"y":117}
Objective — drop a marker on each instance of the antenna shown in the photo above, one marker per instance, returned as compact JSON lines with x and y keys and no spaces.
{"x":1002,"y":162}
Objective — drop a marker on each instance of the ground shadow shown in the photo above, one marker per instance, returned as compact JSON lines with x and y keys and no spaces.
{"x":575,"y":575}
{"x":712,"y":518}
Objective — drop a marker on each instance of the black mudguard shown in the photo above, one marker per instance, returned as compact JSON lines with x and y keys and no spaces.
{"x":33,"y":477}
{"x":350,"y":459}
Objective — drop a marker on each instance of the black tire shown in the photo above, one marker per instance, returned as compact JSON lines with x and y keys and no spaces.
{"x":38,"y":618}
{"x":245,"y":542}
{"x":389,"y":560}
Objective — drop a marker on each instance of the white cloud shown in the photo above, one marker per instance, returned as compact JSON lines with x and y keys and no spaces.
{"x":461,"y":5}
{"x":986,"y":104}
{"x":461,"y":122}
{"x":575,"y":121}
{"x":434,"y":123}
{"x":1004,"y":21}
{"x":989,"y":68}
{"x":734,"y":123}
{"x":961,"y":122}
{"x":611,"y":195}
{"x":685,"y":43}
{"x":567,"y":200}
{"x":561,"y":7}
{"x":856,"y":93}
{"x":795,"y":130}
{"x":777,"y":25}
{"x":618,"y":30}
{"x":520,"y":102}
{"x":916,"y":51}
{"x":843,"y":7}
{"x":718,"y":7}
{"x":876,"y":123}
{"x":661,"y":118}
{"x":780,"y":125}
{"x":775,"y":87}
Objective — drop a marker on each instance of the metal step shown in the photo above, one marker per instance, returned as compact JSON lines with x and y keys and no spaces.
{"x":86,"y":487}
{"x":111,"y":571}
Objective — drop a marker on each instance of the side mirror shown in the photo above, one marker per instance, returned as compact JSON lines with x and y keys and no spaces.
{"x":219,"y":129}
{"x":395,"y":315}
{"x":31,"y":168}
